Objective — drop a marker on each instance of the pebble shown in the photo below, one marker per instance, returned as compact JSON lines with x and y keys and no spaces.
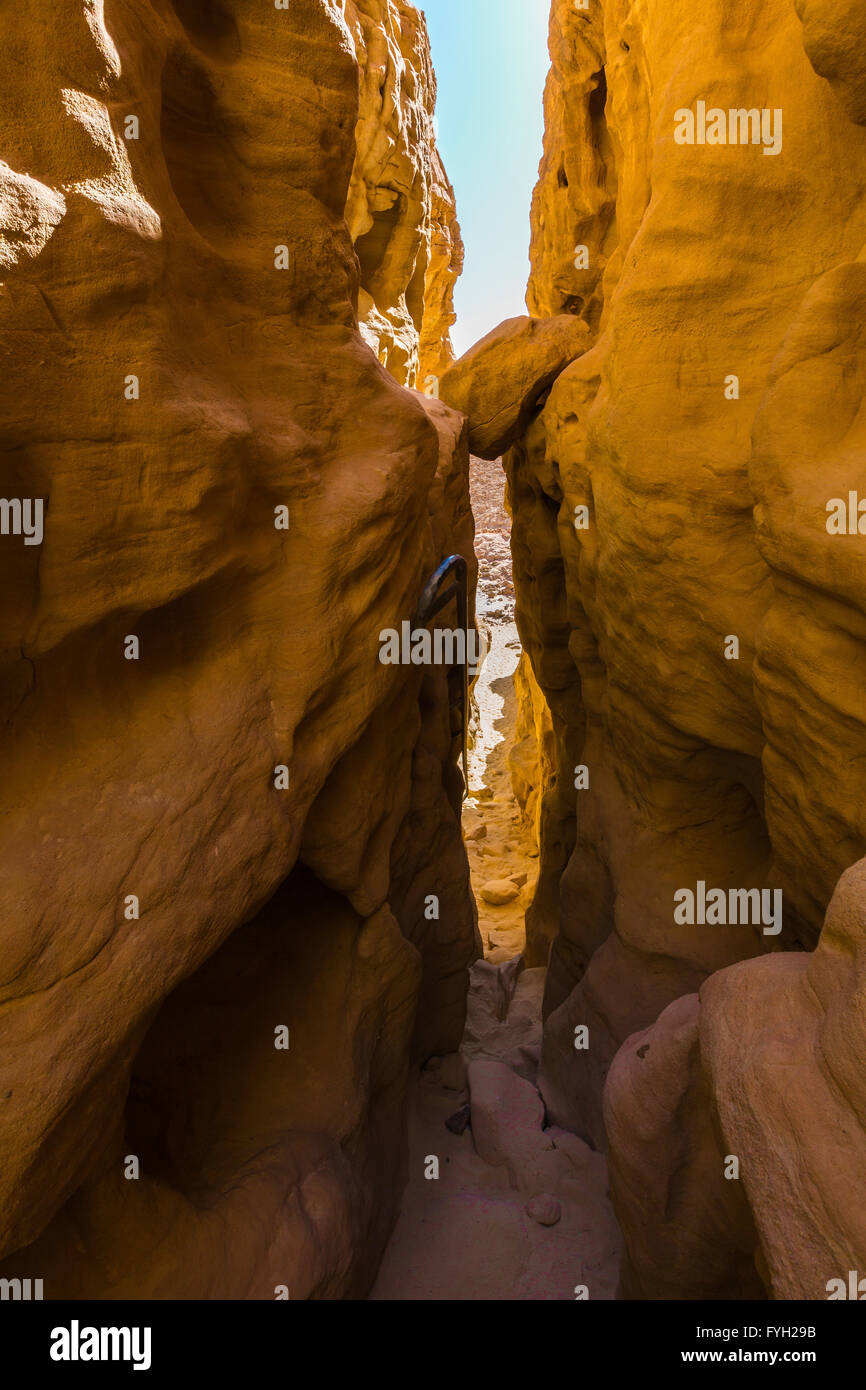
{"x":544,"y":1209}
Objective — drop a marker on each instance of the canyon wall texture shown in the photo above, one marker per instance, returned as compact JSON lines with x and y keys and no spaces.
{"x":401,"y":210}
{"x":697,"y":626}
{"x":224,"y":819}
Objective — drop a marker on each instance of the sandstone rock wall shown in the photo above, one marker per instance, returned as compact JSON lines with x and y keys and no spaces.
{"x":531,"y":758}
{"x":670,"y":495}
{"x":775,"y":1046}
{"x":180,"y":361}
{"x":705,"y":513}
{"x":401,"y":210}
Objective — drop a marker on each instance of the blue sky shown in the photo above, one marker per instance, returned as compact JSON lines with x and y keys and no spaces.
{"x":491,"y":62}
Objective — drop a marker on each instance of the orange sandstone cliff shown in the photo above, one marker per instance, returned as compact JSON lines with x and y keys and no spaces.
{"x":224,"y":818}
{"x":400,"y":209}
{"x":696,"y":625}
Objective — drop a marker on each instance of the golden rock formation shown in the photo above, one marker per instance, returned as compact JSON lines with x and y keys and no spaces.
{"x":235,"y":823}
{"x":688,"y":569}
{"x":444,"y":267}
{"x":531,"y":758}
{"x":772,"y":1069}
{"x":400,"y":208}
{"x":500,"y":383}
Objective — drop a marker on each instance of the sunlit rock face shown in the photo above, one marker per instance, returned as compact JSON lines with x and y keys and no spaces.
{"x":235,"y":901}
{"x":502,"y":380}
{"x":689,"y":561}
{"x":444,"y":267}
{"x":777,"y":1053}
{"x":696,"y":435}
{"x":401,"y":210}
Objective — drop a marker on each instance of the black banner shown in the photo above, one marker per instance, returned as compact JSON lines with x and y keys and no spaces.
{"x":82,"y":1340}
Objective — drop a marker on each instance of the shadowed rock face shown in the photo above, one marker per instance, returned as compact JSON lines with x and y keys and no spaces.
{"x":688,"y":1228}
{"x":698,"y":629}
{"x":767,"y":1070}
{"x":167,"y":386}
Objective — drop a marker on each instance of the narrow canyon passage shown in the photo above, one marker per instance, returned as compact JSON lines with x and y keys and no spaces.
{"x":499,"y":829}
{"x":499,"y":1204}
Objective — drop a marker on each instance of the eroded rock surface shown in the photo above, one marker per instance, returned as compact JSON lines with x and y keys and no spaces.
{"x":695,"y":625}
{"x":765,"y":1067}
{"x":237,"y":832}
{"x":662,"y":509}
{"x":500,"y":382}
{"x":226,"y":821}
{"x":512,"y":1210}
{"x":401,"y":210}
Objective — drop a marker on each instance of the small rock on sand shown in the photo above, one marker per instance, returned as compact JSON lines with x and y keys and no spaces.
{"x":458,"y":1122}
{"x":544,"y":1209}
{"x":499,"y":891}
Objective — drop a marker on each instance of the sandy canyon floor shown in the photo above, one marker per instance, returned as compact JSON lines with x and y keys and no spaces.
{"x":517,"y":1211}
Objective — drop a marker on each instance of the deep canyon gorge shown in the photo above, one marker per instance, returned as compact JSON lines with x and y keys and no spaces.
{"x":274,"y":981}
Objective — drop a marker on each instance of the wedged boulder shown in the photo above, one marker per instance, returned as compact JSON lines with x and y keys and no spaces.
{"x":501,"y":381}
{"x":507,"y":1112}
{"x":507,"y":1120}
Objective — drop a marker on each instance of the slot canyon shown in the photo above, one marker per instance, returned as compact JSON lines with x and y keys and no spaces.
{"x":327,"y":976}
